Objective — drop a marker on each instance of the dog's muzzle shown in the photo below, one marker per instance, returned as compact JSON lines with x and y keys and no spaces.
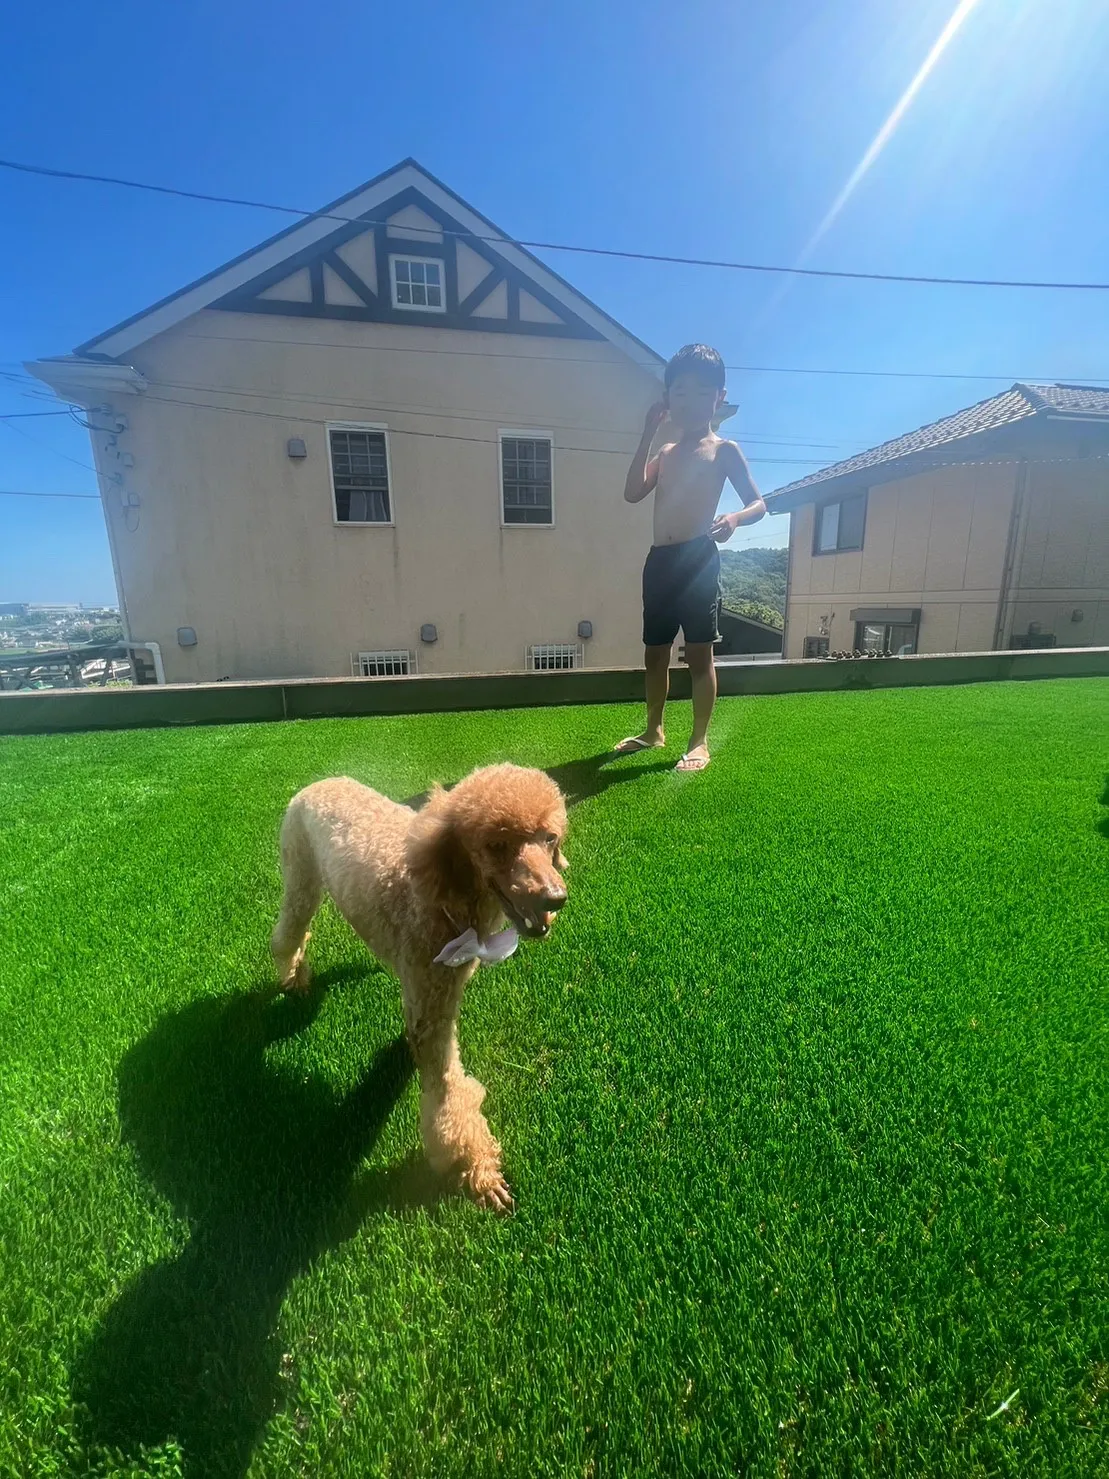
{"x":534,"y":919}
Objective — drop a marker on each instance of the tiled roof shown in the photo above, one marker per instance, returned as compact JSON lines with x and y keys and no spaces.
{"x":1086,"y":400}
{"x":1019,"y":403}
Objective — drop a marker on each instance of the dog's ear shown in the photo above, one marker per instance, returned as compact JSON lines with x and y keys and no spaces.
{"x":439,"y":863}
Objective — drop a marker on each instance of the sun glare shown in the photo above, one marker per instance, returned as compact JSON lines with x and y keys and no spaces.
{"x":889,"y":127}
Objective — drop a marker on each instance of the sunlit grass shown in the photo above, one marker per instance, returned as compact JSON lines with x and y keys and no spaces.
{"x":803,"y":1104}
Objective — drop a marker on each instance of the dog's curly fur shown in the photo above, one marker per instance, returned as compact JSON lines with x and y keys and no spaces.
{"x":408,"y":882}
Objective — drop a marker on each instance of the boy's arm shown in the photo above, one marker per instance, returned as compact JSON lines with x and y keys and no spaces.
{"x":643,"y":474}
{"x":739,"y":475}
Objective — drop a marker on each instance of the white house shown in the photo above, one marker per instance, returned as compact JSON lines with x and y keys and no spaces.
{"x":387,"y":440}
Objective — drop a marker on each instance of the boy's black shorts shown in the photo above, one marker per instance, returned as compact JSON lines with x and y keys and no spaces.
{"x":681,"y":588}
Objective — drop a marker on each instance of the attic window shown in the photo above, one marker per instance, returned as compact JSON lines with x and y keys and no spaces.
{"x":418,"y":283}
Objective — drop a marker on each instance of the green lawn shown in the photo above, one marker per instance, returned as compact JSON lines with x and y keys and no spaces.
{"x":804,"y":1104}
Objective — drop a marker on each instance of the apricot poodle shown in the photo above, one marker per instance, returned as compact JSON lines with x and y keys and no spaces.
{"x":424,"y":890}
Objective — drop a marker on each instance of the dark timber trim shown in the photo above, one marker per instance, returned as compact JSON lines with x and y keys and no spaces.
{"x":352,"y":280}
{"x":378,"y":306}
{"x":481,"y":292}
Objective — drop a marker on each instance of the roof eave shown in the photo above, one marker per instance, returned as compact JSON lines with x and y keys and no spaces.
{"x":976,"y":447}
{"x":86,"y":382}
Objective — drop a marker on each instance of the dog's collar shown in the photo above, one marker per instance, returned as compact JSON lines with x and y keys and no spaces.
{"x":469,"y":945}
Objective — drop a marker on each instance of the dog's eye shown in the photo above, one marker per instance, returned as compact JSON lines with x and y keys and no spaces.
{"x":551,"y":839}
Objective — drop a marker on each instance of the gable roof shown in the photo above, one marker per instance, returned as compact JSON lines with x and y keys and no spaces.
{"x":295,"y":242}
{"x":968,"y":433}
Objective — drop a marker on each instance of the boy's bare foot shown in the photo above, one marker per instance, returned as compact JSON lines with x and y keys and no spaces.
{"x":648,"y":740}
{"x":695,"y":758}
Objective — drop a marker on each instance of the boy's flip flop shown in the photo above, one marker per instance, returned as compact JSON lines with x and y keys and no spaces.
{"x":633,"y":744}
{"x":690,"y":764}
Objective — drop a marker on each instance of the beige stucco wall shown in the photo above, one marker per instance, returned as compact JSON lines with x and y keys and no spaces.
{"x":1062,"y":561}
{"x":233,"y":538}
{"x":935,"y":541}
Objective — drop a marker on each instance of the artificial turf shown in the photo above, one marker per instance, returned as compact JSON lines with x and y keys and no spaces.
{"x":803,"y":1104}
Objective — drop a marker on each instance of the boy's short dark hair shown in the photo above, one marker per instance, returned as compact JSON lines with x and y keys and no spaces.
{"x":699,"y":360}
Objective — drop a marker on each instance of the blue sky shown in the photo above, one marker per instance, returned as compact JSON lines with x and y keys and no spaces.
{"x":700,"y":129}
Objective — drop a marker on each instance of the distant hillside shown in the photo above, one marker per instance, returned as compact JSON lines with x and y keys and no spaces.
{"x":753,"y":582}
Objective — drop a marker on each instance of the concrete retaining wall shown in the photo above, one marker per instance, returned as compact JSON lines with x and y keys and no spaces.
{"x":64,"y":710}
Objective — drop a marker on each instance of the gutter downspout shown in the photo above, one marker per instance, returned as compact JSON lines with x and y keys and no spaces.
{"x":106,"y":488}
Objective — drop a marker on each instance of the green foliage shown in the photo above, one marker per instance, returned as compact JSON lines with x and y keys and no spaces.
{"x":755,"y":576}
{"x":112,"y":632}
{"x":757,"y":612}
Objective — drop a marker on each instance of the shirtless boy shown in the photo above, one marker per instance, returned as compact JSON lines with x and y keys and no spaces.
{"x":681,"y":579}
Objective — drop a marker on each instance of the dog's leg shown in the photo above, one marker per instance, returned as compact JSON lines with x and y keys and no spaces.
{"x":303,"y":893}
{"x":457,"y":1139}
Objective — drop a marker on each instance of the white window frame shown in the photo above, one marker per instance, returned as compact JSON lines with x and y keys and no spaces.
{"x":339,"y":523}
{"x":526,"y":435}
{"x":439,"y":262}
{"x":360,"y":660}
{"x":577,"y":649}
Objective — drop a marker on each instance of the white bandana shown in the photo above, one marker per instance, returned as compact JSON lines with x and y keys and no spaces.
{"x":470,"y":946}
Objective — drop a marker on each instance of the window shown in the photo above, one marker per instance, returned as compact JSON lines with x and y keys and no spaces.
{"x":816,"y":647}
{"x":360,"y":475}
{"x":418,"y":283}
{"x":526,"y":479}
{"x":839,"y":526}
{"x":894,"y":637}
{"x":383,"y":664}
{"x":550,"y":657}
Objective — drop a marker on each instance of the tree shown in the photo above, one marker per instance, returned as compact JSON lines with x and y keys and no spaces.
{"x":755,"y":576}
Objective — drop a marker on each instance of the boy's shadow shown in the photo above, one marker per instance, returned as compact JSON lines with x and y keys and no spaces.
{"x":580,"y":779}
{"x":263,"y":1168}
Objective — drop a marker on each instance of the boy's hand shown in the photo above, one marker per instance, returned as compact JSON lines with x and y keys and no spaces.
{"x":724,"y":526}
{"x":654,"y":418}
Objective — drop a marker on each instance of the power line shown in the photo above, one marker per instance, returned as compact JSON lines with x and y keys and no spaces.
{"x":555,"y":246}
{"x":27,"y":493}
{"x":917,"y":467}
{"x":23,"y":415}
{"x":566,"y":359}
{"x":437,"y":436}
{"x":38,"y":442}
{"x":381,"y":408}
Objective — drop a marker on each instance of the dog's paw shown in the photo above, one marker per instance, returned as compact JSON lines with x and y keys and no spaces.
{"x":490,"y":1190}
{"x":297,"y":977}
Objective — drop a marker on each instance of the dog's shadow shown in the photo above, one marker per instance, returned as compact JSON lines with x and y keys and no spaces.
{"x":589,"y":776}
{"x":263,"y":1167}
{"x":1103,"y":825}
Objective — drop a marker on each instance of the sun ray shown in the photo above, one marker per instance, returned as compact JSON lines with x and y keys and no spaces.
{"x":960,"y":14}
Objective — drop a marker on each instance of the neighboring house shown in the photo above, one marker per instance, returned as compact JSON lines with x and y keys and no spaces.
{"x":986,"y":530}
{"x":381,"y":445}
